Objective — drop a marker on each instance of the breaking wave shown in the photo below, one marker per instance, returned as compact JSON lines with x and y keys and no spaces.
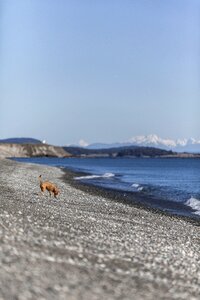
{"x":137,"y":187}
{"x":194,"y":204}
{"x":106,"y":175}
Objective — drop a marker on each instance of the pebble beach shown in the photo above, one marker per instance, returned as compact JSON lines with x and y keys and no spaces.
{"x":84,"y":245}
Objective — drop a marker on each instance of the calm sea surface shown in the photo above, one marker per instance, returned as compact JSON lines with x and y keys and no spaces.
{"x":172,"y":185}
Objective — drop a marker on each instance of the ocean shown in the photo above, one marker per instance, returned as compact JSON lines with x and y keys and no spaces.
{"x":167,"y":184}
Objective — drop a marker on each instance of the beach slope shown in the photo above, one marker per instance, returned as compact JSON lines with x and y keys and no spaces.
{"x":82,"y":246}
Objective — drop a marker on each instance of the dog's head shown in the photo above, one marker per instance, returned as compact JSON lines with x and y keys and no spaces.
{"x":56,"y":191}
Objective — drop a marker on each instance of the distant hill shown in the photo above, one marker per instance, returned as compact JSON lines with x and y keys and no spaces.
{"x":134,"y":151}
{"x":23,"y":140}
{"x":31,"y":150}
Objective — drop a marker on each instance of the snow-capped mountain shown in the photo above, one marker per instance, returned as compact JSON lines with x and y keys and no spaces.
{"x":152,"y":140}
{"x":179,"y":145}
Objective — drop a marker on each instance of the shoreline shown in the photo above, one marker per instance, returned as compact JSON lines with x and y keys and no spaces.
{"x":140,"y":200}
{"x":87,"y":246}
{"x":126,"y":198}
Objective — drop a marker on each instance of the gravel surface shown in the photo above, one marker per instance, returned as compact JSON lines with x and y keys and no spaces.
{"x":84,"y":246}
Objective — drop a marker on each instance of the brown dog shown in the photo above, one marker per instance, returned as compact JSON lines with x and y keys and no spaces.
{"x":50,"y":187}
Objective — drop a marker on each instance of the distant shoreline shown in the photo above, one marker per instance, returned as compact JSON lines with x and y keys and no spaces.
{"x":45,"y":150}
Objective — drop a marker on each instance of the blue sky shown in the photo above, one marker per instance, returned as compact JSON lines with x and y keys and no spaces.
{"x":99,"y":70}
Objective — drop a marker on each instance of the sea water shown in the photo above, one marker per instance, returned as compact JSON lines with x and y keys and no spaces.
{"x":169,"y":184}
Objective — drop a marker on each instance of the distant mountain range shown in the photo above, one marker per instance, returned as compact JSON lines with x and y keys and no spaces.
{"x":153,"y":141}
{"x":179,"y":145}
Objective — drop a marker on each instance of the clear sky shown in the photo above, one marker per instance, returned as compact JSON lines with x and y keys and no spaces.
{"x":99,"y":70}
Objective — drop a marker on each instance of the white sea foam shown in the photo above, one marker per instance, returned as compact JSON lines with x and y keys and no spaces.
{"x":194,"y":204}
{"x":135,"y":185}
{"x":138,"y":187}
{"x":87,"y":177}
{"x":106,"y":175}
